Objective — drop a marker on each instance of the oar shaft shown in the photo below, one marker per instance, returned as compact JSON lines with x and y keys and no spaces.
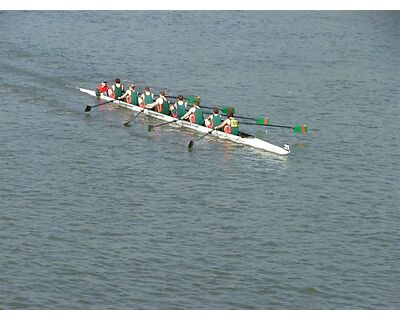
{"x":100,"y":104}
{"x":88,"y":108}
{"x":165,"y":123}
{"x":209,"y":132}
{"x":265,"y":125}
{"x":140,"y":112}
{"x":303,"y":129}
{"x":191,"y":142}
{"x":161,"y":124}
{"x":242,"y":117}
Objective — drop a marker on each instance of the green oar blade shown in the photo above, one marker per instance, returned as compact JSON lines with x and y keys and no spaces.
{"x":300,"y":129}
{"x":193,"y":99}
{"x":262,"y":121}
{"x":227,"y":109}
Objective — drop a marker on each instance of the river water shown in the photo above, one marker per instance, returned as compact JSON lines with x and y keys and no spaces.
{"x":95,"y":215}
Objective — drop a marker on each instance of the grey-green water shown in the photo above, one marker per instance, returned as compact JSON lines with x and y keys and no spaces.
{"x":94,"y":215}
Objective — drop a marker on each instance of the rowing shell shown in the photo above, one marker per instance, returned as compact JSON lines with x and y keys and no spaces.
{"x":245,"y":139}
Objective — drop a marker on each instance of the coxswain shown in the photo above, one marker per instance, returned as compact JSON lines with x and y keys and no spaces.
{"x":230,"y":125}
{"x":214,"y":119}
{"x":195,"y":114}
{"x":130,"y":96}
{"x":146,"y":97}
{"x":102,"y":89}
{"x":178,"y":109}
{"x":161,"y":105}
{"x":116,"y":90}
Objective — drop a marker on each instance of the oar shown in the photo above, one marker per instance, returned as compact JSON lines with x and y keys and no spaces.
{"x":128,"y":122}
{"x":222,"y":108}
{"x":192,"y":99}
{"x":299,"y":129}
{"x":88,"y":108}
{"x":260,"y":120}
{"x":191,"y":142}
{"x":173,"y":97}
{"x":151,"y":127}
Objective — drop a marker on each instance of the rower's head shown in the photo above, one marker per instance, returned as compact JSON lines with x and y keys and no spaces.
{"x":133,"y":86}
{"x":147,"y":89}
{"x":162,"y":93}
{"x":196,"y":103}
{"x":180,"y":98}
{"x":117,"y":80}
{"x":104,"y":83}
{"x":230,"y":114}
{"x":216,"y":111}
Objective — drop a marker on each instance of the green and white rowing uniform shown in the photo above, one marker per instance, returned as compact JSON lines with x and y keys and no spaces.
{"x":148,"y":98}
{"x":133,"y":97}
{"x":164,"y":107}
{"x":179,"y":111}
{"x":216,"y":120}
{"x":118,"y":91}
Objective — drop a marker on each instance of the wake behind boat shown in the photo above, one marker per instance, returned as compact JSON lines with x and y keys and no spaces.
{"x":243,"y":138}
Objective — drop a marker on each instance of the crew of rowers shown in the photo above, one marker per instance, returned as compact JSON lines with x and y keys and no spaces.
{"x":178,"y":110}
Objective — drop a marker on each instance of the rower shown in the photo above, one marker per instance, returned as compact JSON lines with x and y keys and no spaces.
{"x":116,"y":90}
{"x":214,"y":119}
{"x":178,"y":109}
{"x":195,"y":114}
{"x":130,"y":96}
{"x":146,"y":97}
{"x":102,"y":89}
{"x":161,"y":105}
{"x":230,"y":125}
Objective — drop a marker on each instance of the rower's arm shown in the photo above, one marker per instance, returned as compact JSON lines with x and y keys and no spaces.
{"x":223,"y":124}
{"x":123,"y":96}
{"x":187,"y":114}
{"x":152,"y":105}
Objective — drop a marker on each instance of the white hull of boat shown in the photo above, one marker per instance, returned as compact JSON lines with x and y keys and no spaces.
{"x":249,"y":141}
